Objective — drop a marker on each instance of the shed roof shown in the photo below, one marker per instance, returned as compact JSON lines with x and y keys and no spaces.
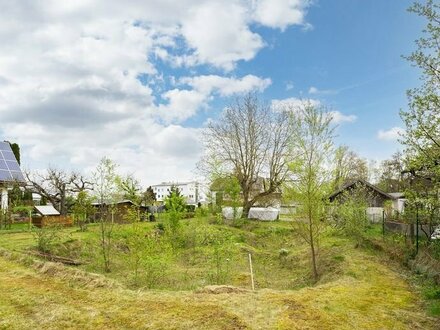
{"x":47,"y":210}
{"x":124,"y":201}
{"x":397,"y":195}
{"x":365,"y":183}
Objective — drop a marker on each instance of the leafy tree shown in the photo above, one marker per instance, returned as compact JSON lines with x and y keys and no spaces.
{"x":175,"y":205}
{"x":149,"y":196}
{"x":392,"y":177}
{"x":175,"y":201}
{"x":130,"y":188}
{"x":105,"y":187}
{"x":250,"y":140}
{"x":15,"y":195}
{"x":232,"y":190}
{"x":311,"y":142}
{"x":83,"y":209}
{"x":422,"y":119}
{"x":350,"y":213}
{"x":16,"y":150}
{"x":348,"y":166}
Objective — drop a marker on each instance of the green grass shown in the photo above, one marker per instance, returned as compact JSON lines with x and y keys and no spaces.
{"x":15,"y":227}
{"x":376,"y":298}
{"x":358,"y":288}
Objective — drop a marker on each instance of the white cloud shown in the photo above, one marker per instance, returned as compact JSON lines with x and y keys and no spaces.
{"x":226,"y":86}
{"x":315,"y":91}
{"x":183,"y":103}
{"x":338,"y":117}
{"x":390,"y":135}
{"x":220,"y":34}
{"x":289,"y":86}
{"x":293,"y":102}
{"x":70,"y":89}
{"x":280,"y":13}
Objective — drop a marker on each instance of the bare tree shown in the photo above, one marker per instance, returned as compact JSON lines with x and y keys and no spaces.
{"x":56,"y":185}
{"x":250,"y":142}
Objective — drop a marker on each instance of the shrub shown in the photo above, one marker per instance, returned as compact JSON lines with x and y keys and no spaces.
{"x":190,"y":208}
{"x":201,"y":212}
{"x":47,"y":237}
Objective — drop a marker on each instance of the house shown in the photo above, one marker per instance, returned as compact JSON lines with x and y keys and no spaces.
{"x":376,"y":198}
{"x":10,"y":173}
{"x":118,"y":212}
{"x":47,"y":215}
{"x":193,"y":191}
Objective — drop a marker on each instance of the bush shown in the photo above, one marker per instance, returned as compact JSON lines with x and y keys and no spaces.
{"x":190,"y":208}
{"x":189,"y":215}
{"x":201,"y":212}
{"x":350,"y":215}
{"x":160,"y":227}
{"x":47,"y":237}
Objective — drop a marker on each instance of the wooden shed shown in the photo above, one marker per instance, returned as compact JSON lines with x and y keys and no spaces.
{"x":118,"y":212}
{"x":47,"y":215}
{"x":375,"y":196}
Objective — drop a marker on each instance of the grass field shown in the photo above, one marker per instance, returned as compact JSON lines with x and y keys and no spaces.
{"x":358,"y":289}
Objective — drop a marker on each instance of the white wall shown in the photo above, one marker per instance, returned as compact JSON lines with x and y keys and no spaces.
{"x":192,"y":191}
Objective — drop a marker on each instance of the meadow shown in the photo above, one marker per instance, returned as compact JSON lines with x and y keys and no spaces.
{"x":177,"y":284}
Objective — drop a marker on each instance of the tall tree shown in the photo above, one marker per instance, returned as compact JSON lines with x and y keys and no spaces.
{"x":312,"y":143}
{"x":149,"y":196}
{"x":106,"y":191}
{"x":16,"y":150}
{"x":348,"y":166}
{"x":83,"y":209}
{"x":250,"y":142}
{"x":130,"y":188}
{"x":175,"y":205}
{"x":392,"y":177}
{"x":57,"y":185}
{"x":422,"y":119}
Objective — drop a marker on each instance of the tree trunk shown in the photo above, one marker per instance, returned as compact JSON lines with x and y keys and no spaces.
{"x":246,"y":207}
{"x":312,"y":250}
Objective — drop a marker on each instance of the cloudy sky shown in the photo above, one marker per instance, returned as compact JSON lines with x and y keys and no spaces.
{"x":137,"y":80}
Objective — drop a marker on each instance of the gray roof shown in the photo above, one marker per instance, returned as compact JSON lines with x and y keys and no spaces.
{"x":47,"y":210}
{"x":397,"y":195}
{"x":362,"y":182}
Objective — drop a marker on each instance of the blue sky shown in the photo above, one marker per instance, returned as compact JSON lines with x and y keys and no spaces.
{"x":353,"y":56}
{"x":136,"y":81}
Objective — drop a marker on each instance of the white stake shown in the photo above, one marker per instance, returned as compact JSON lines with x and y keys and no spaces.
{"x":252,"y":272}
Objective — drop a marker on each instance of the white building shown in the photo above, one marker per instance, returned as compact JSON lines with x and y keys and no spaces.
{"x":193,"y":191}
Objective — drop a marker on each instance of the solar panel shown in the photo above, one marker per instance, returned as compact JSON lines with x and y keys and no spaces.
{"x":9,"y":169}
{"x":5,"y":146}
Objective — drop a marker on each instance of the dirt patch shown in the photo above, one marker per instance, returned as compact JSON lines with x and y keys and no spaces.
{"x":218,"y":289}
{"x":58,"y":270}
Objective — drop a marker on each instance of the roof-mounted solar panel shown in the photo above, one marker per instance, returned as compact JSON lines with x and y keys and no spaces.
{"x":9,"y":169}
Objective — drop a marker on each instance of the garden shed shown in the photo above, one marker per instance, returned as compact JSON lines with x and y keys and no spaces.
{"x":47,"y":215}
{"x":375,"y":197}
{"x":118,"y":212}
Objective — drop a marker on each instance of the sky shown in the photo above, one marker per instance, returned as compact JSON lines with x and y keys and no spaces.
{"x":137,"y":81}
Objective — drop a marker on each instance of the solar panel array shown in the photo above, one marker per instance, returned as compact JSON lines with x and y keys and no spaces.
{"x":9,"y":169}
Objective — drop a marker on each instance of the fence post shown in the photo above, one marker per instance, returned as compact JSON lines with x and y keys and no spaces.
{"x":252,"y":272}
{"x":417,"y":229}
{"x":383,"y":223}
